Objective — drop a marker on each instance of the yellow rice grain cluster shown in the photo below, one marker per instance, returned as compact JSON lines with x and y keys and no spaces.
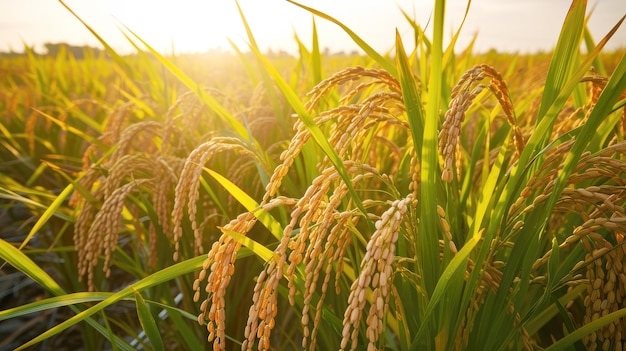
{"x":98,"y":223}
{"x":138,"y":162}
{"x":462,"y":97}
{"x":219,"y":265}
{"x":597,"y":83}
{"x":307,"y":248}
{"x":102,"y":234}
{"x":187,"y":192}
{"x":606,"y":293}
{"x":324,"y":229}
{"x":376,"y":274}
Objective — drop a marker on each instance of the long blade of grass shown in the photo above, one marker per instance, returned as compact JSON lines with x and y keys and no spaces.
{"x":383,"y":62}
{"x":53,"y":302}
{"x":263,"y":216}
{"x":24,"y":264}
{"x":157,"y":278}
{"x":148,"y":323}
{"x":427,"y":246}
{"x":419,"y":35}
{"x":267,"y":80}
{"x":21,"y":262}
{"x":258,"y":249}
{"x":251,"y":72}
{"x":203,"y":95}
{"x":109,"y":49}
{"x":316,"y":56}
{"x":586,"y":329}
{"x":412,"y":99}
{"x":48,"y":213}
{"x":313,"y":128}
{"x":567,"y":47}
{"x":449,"y":52}
{"x":458,"y":263}
{"x":72,"y":129}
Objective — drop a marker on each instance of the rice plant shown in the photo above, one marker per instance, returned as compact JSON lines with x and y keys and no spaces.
{"x":421,"y":199}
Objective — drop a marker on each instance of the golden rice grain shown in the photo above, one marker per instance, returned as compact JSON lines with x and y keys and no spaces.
{"x":381,"y":247}
{"x":187,"y":192}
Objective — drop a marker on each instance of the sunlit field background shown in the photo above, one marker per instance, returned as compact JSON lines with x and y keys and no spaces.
{"x":426,"y":195}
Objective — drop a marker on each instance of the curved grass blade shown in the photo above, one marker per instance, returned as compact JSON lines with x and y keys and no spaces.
{"x":458,"y":262}
{"x":263,"y":216}
{"x":418,"y":33}
{"x":24,"y":264}
{"x":192,"y":85}
{"x":428,"y":245}
{"x":412,"y":99}
{"x":267,"y":80}
{"x":316,"y":57}
{"x":157,"y":278}
{"x":313,"y":128}
{"x":48,"y":213}
{"x":53,"y":302}
{"x":449,"y":53}
{"x":247,"y":65}
{"x":85,"y":297}
{"x":71,"y":129}
{"x":148,"y":323}
{"x":116,"y":57}
{"x":258,"y":249}
{"x":562,"y":64}
{"x":360,"y":42}
{"x":586,"y":329}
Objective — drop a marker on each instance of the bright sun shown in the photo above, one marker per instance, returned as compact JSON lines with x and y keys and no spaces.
{"x":192,"y":25}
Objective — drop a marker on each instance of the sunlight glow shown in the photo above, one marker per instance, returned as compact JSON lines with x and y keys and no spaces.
{"x":200,"y":25}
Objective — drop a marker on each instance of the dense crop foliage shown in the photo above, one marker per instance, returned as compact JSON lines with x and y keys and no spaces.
{"x":429,"y":198}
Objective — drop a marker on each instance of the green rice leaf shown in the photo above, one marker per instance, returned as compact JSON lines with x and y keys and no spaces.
{"x":316,"y":56}
{"x":586,"y":329}
{"x":383,"y":62}
{"x":48,"y":213}
{"x":154,"y":279}
{"x":116,"y":57}
{"x":148,"y":323}
{"x":24,"y":264}
{"x":412,"y":99}
{"x":258,"y":249}
{"x":427,"y":246}
{"x":457,"y":264}
{"x":263,"y":216}
{"x":53,"y":302}
{"x":203,"y":95}
{"x":562,"y":64}
{"x":314,"y":129}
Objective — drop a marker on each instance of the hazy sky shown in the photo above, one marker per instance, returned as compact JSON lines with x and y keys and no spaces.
{"x":198,"y":25}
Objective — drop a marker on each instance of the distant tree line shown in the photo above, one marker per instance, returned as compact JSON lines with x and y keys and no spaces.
{"x":78,"y":52}
{"x":53,"y":49}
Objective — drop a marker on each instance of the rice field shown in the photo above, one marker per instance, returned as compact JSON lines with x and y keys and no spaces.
{"x":429,"y":198}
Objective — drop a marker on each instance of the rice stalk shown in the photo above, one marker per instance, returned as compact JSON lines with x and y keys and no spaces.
{"x":354,"y":124}
{"x":187,"y":193}
{"x":462,"y":98}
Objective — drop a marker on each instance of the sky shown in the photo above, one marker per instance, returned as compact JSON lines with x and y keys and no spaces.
{"x":523,"y":26}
